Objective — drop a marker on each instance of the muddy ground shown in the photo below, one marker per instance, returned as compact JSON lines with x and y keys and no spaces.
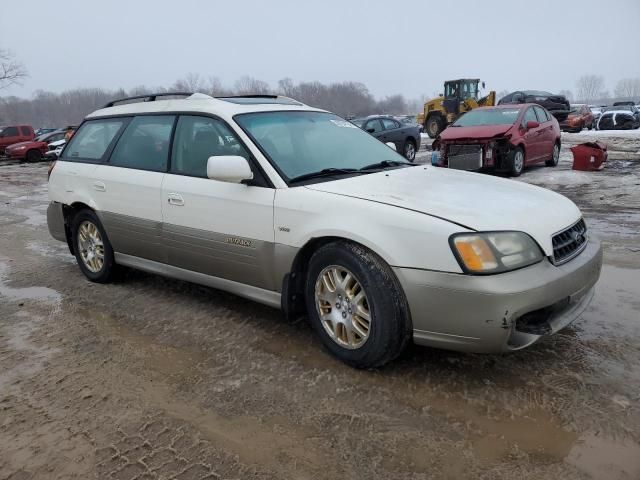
{"x":154,"y":378}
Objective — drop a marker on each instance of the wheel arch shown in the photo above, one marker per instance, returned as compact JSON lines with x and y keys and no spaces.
{"x":68,"y":212}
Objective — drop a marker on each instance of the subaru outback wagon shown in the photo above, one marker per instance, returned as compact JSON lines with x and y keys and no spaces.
{"x":299,"y":209}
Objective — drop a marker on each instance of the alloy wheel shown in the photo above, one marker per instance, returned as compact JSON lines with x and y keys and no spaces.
{"x":518,"y":161}
{"x":343,"y":307}
{"x":410,"y":151}
{"x":91,"y":246}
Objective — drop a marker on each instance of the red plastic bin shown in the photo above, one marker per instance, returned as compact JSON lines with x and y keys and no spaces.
{"x":589,"y":156}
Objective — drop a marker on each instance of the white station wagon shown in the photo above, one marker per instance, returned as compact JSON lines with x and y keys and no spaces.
{"x":296,"y":208}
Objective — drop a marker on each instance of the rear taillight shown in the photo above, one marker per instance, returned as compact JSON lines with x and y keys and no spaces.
{"x":51,"y":165}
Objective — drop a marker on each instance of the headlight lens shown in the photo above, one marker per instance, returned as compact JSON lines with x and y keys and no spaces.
{"x":495,"y":252}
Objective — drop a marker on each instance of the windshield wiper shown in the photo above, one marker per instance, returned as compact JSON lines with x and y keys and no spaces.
{"x":325,"y":172}
{"x":384,"y":164}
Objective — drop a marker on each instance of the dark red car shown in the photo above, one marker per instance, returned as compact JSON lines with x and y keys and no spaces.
{"x":505,"y":138}
{"x":13,"y":134}
{"x":33,"y":150}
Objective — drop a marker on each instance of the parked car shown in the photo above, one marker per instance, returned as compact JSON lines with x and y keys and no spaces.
{"x":405,"y":137}
{"x":13,"y":134}
{"x":596,"y":111}
{"x":505,"y":138}
{"x":626,"y":103}
{"x":55,"y":149}
{"x":42,"y":131}
{"x":580,"y":117}
{"x":297,"y":208}
{"x":557,"y":105}
{"x":619,"y":118}
{"x":35,"y":149}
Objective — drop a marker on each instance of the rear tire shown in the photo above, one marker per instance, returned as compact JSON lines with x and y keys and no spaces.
{"x":434,"y":125}
{"x":92,"y":248}
{"x":516,"y":161}
{"x":555,"y":156}
{"x":409,"y":150}
{"x":33,"y":156}
{"x":356,"y":305}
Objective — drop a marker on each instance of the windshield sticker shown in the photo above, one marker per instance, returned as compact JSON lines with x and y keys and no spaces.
{"x":343,"y":123}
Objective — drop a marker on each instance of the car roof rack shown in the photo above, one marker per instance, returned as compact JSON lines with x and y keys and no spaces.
{"x":150,"y":97}
{"x":259,"y":99}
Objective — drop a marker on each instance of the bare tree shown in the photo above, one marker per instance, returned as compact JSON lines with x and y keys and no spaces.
{"x":251,"y":86}
{"x":12,"y":72}
{"x":192,"y":82}
{"x":568,"y":94}
{"x":628,"y":88}
{"x":589,"y":88}
{"x":393,"y":105}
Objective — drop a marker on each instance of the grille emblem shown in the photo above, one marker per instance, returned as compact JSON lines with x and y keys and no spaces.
{"x":578,"y":237}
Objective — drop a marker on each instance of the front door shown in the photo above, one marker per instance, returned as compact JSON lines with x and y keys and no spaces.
{"x":217,"y":228}
{"x":532,"y":136}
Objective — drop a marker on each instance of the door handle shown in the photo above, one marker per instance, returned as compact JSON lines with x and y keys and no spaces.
{"x":99,"y":186}
{"x":175,"y":199}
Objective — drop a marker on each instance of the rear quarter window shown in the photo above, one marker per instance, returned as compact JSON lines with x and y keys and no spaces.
{"x":93,"y":139}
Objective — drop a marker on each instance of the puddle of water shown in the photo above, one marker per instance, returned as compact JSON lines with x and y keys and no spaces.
{"x":26,"y":293}
{"x":601,"y":457}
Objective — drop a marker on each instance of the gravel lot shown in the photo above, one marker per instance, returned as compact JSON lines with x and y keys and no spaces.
{"x":154,"y":378}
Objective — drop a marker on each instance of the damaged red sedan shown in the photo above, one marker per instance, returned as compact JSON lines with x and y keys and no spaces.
{"x":505,"y":138}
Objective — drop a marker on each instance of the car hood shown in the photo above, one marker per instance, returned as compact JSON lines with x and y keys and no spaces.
{"x":482,"y":131}
{"x":472,"y":200}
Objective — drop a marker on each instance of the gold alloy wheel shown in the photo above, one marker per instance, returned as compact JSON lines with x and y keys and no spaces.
{"x":343,"y":307}
{"x":91,"y":246}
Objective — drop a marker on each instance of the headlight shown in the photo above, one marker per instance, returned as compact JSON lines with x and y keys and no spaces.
{"x":494,"y":252}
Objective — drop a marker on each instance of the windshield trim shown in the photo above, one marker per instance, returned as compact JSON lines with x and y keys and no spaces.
{"x":284,"y":177}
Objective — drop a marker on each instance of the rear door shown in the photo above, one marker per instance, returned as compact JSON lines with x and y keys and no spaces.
{"x":217,"y":228}
{"x":393,"y":132}
{"x":127,"y":188}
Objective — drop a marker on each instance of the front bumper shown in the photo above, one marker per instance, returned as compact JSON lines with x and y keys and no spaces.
{"x":498,"y":313}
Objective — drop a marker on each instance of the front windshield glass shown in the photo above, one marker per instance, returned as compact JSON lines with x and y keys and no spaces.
{"x":300,"y":143}
{"x":619,"y":107}
{"x":495,"y":116}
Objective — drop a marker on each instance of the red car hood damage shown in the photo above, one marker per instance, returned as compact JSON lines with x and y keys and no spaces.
{"x":479,"y":132}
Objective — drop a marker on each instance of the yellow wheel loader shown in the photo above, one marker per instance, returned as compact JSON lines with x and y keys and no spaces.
{"x":460,"y":96}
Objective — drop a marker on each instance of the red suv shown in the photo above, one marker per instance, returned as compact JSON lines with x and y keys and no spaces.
{"x":14,"y":134}
{"x":33,"y":150}
{"x":503,"y":138}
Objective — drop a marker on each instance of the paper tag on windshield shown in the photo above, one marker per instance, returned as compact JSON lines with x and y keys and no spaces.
{"x":343,"y":123}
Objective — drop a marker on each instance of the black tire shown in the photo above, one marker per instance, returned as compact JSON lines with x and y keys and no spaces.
{"x":515,"y":166}
{"x":555,"y":156}
{"x":409,"y":150}
{"x":434,"y":125}
{"x":590,"y":127}
{"x":105,"y":274}
{"x":390,"y":326}
{"x":33,"y":156}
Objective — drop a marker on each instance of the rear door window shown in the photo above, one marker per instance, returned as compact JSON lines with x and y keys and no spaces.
{"x":144,"y":145}
{"x":93,"y":139}
{"x":25,"y":131}
{"x":198,"y":138}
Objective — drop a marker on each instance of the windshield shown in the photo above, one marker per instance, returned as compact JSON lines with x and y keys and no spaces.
{"x":576,"y":108}
{"x":299,"y":143}
{"x":618,"y":108}
{"x":496,"y":116}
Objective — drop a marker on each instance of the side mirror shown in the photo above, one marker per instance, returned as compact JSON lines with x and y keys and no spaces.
{"x":229,"y":168}
{"x":391,"y":145}
{"x":531,"y":124}
{"x":371,"y":130}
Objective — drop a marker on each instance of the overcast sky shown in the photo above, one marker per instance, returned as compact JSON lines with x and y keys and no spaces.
{"x":407,"y":47}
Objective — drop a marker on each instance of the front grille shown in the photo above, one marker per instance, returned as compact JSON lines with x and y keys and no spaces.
{"x":464,"y":157}
{"x":569,"y":243}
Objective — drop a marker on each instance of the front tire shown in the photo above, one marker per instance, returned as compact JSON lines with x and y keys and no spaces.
{"x":516,"y":161}
{"x":409,"y":150}
{"x":356,"y":305}
{"x":555,"y":156}
{"x":92,"y":248}
{"x":434,"y":126}
{"x":34,"y":156}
